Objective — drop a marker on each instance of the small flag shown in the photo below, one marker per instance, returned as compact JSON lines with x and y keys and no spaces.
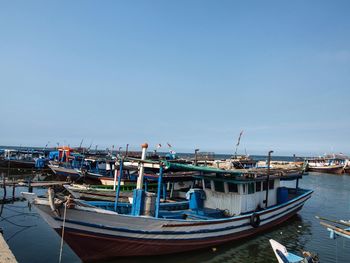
{"x":159,"y":146}
{"x":169,"y":145}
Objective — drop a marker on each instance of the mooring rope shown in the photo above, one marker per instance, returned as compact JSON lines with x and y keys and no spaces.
{"x":62,"y":235}
{"x":336,"y":250}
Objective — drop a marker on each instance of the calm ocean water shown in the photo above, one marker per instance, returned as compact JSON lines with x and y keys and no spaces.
{"x":32,"y":240}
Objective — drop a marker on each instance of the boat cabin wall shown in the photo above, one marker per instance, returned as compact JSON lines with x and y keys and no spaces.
{"x":239,"y":198}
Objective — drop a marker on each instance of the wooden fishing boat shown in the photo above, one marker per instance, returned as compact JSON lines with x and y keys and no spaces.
{"x":69,"y":165}
{"x":223,"y":206}
{"x":87,"y":192}
{"x":22,"y":159}
{"x":334,"y":169}
{"x":64,"y":172}
{"x":321,"y":166}
{"x":336,"y":228}
{"x":327,"y":164}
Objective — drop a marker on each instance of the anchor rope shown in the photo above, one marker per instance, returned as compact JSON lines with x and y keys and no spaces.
{"x":64,"y":221}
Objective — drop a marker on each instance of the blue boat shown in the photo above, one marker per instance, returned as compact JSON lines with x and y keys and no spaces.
{"x":283,"y":256}
{"x":66,"y":164}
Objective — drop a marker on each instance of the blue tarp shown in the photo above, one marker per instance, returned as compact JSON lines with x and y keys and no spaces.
{"x":53,"y":155}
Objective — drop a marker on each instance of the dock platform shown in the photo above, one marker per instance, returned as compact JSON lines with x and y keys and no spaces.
{"x":6,"y":255}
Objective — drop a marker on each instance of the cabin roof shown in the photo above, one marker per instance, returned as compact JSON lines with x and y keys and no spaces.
{"x":236,"y":176}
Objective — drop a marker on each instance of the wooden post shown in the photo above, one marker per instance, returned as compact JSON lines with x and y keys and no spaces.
{"x":268,"y":178}
{"x":4,"y":184}
{"x":118,"y":187}
{"x":115,"y":179}
{"x":30,"y":188}
{"x":159,"y":191}
{"x":196,"y":156}
{"x":164,"y":191}
{"x":172,"y":190}
{"x":13,"y":189}
{"x":297,"y":186}
{"x":126,"y":149}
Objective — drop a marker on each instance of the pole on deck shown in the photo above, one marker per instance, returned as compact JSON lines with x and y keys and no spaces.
{"x":138,"y":193}
{"x":159,"y":190}
{"x":13,"y":189}
{"x":268,"y":177}
{"x":115,"y":179}
{"x":118,"y":187}
{"x":4,"y":184}
{"x":196,"y":156}
{"x":297,"y":186}
{"x":142,"y":169}
{"x":164,"y":192}
{"x":126,"y":149}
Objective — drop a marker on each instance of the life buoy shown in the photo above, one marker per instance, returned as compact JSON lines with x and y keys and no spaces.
{"x":255,"y":220}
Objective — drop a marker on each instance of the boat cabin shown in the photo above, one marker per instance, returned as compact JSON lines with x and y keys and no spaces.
{"x":100,"y":166}
{"x":221,"y":193}
{"x":238,"y":197}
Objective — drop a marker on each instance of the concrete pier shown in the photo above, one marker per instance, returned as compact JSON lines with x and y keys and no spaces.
{"x":6,"y":255}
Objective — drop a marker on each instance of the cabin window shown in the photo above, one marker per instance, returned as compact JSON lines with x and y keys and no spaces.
{"x":232,"y":188}
{"x":264,"y":186}
{"x":207,"y":184}
{"x":243,"y":187}
{"x":219,"y":186}
{"x":258,"y":186}
{"x":271,"y":184}
{"x":251,"y":189}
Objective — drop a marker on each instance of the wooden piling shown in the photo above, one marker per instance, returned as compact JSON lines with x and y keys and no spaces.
{"x":4,"y":184}
{"x":13,"y":188}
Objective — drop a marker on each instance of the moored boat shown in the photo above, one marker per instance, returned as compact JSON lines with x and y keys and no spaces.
{"x":336,"y":228}
{"x":65,"y":173}
{"x":22,"y":159}
{"x":66,"y":164}
{"x":283,"y":256}
{"x":333,"y":169}
{"x":224,"y":205}
{"x":334,"y":164}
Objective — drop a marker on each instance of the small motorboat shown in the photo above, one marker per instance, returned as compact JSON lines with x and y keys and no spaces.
{"x":283,"y":256}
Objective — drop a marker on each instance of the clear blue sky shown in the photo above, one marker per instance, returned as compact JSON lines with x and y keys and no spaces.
{"x":191,"y":73}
